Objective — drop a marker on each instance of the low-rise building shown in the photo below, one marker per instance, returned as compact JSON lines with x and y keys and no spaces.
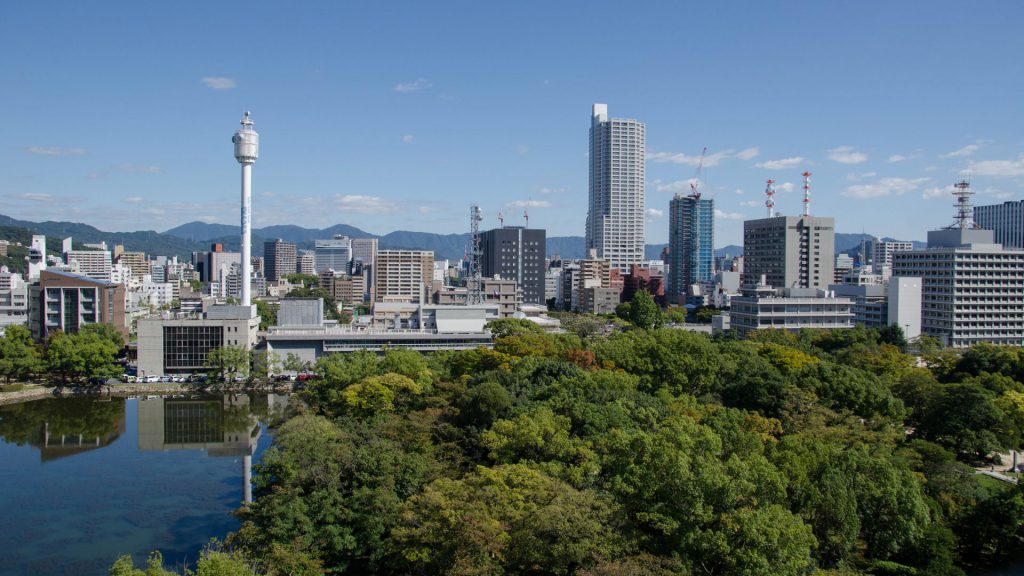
{"x":175,"y":345}
{"x":760,"y":307}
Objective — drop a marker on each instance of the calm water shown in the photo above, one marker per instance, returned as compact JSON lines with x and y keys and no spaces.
{"x":84,"y":480}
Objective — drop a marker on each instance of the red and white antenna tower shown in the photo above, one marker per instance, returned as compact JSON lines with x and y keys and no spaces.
{"x":807,"y":193}
{"x":769,"y":191}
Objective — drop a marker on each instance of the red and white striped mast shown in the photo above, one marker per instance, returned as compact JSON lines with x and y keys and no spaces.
{"x":807,"y":193}
{"x":769,"y":191}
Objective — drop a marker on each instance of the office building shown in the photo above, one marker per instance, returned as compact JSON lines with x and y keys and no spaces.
{"x":95,"y":264}
{"x":64,"y":301}
{"x":136,"y":261}
{"x":615,"y":217}
{"x":364,"y":250}
{"x":279,"y":259}
{"x":307,"y":263}
{"x":13,"y":299}
{"x":972,"y":288}
{"x":402,"y":275}
{"x":1006,"y":221}
{"x":334,"y":254}
{"x":36,"y":257}
{"x":691,"y":244}
{"x":516,"y":253}
{"x":789,"y":251}
{"x":182,"y":345}
{"x":760,"y":306}
{"x":882,"y":251}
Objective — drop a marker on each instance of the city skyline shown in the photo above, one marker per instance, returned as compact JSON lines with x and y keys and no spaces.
{"x":393,"y":117}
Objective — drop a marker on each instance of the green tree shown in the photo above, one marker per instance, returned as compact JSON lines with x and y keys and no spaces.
{"x":704,"y":314}
{"x":227,"y":362}
{"x":19,"y":356}
{"x":508,"y":519}
{"x":644,"y":312}
{"x":512,"y":327}
{"x":88,"y":355}
{"x":267,"y":313}
{"x":294,"y":363}
{"x":306,"y":280}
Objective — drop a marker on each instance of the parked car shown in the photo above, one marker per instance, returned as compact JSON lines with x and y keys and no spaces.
{"x":151,"y":379}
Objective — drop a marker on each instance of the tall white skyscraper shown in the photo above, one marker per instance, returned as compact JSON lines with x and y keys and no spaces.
{"x":615,"y":219}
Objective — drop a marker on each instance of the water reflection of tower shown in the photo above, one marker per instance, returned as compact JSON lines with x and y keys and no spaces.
{"x":220,"y":426}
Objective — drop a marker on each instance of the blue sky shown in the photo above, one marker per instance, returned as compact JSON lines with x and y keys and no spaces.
{"x":399,"y":115}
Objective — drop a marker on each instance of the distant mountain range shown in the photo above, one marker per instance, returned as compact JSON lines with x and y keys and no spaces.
{"x":194,"y":236}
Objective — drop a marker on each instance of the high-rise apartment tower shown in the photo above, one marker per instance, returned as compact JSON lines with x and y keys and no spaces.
{"x":615,"y":218}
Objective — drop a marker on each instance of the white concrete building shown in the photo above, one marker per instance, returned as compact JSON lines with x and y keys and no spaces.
{"x":615,"y":218}
{"x":763,"y":307}
{"x":334,"y":254}
{"x":883,"y":251}
{"x":905,"y":305}
{"x":972,"y":288}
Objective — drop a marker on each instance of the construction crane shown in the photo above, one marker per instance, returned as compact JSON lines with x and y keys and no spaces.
{"x":695,"y":181}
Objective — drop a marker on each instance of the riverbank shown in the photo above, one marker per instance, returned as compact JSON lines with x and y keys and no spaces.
{"x":38,"y":392}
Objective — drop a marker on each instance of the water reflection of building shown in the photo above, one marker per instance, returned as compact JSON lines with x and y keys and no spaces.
{"x":219,"y":426}
{"x":54,"y":445}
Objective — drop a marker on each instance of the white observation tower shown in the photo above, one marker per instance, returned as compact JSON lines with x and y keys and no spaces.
{"x":247,"y":149}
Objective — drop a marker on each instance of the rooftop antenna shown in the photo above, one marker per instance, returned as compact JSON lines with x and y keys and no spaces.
{"x":769,"y":191}
{"x":807,"y":193}
{"x":695,"y":183}
{"x":473,"y":283}
{"x":526,"y":215}
{"x":501,"y":219}
{"x":962,"y":191}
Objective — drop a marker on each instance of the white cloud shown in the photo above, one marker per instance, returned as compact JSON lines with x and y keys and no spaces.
{"x":522,"y":149}
{"x":999,"y":168}
{"x":414,"y":86}
{"x":936,"y":192}
{"x":655,"y":213}
{"x":55,"y":151}
{"x":785,"y":187}
{"x":365,"y":204}
{"x":676,"y":185}
{"x":133,"y":200}
{"x":723,"y":215}
{"x":847,"y":155}
{"x":898,"y":158}
{"x":781,"y":164}
{"x":968,"y":150}
{"x":740,"y":192}
{"x":553,"y":190}
{"x":884,"y":187}
{"x":861,"y":176}
{"x":751,"y":203}
{"x":34,"y":197}
{"x":408,"y":138}
{"x":709,"y":159}
{"x":219,"y":82}
{"x":138,"y":168}
{"x":748,"y":153}
{"x":529,"y":204}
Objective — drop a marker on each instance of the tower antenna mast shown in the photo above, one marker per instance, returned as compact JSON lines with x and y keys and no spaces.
{"x":247,"y":149}
{"x":474,"y":294}
{"x":769,"y":203}
{"x":963,"y":218}
{"x":807,"y":193}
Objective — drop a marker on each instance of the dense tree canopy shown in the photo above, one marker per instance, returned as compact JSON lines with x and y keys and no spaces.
{"x":650,"y":451}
